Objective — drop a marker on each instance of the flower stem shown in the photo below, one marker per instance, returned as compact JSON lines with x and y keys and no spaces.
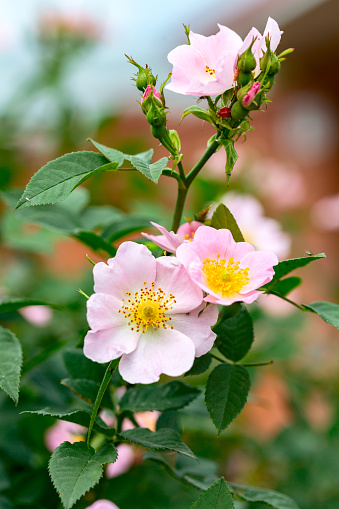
{"x":265,"y":363}
{"x":179,"y":207}
{"x":104,"y":384}
{"x":195,"y":170}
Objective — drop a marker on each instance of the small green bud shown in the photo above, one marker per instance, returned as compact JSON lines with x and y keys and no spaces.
{"x":238,"y":112}
{"x":244,"y":77}
{"x":141,"y":81}
{"x":158,"y":131}
{"x":156,"y":116}
{"x":269,"y":82}
{"x":175,"y":140}
{"x":275,"y":65}
{"x":247,"y":61}
{"x":265,"y":61}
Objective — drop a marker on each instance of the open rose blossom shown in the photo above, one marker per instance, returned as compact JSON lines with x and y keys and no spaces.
{"x":207,"y":65}
{"x":148,"y":311}
{"x":228,"y":271}
{"x":103,"y":504}
{"x":170,"y":241}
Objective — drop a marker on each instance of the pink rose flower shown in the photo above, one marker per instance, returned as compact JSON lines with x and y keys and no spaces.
{"x":148,"y":91}
{"x":147,"y":311}
{"x":124,"y":462}
{"x":103,"y":504}
{"x":170,"y":241}
{"x":228,"y":271}
{"x":249,"y":97}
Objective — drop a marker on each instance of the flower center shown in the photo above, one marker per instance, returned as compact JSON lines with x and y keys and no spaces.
{"x":189,"y":236}
{"x":210,"y":71}
{"x":225,"y":279}
{"x":76,"y":437}
{"x":147,"y":308}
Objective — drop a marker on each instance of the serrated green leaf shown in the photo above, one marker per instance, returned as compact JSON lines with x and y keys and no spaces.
{"x":10,"y":363}
{"x":165,"y":439}
{"x":119,"y":229}
{"x":170,"y":396}
{"x":226,"y":393}
{"x":284,"y":286}
{"x":223,"y":218}
{"x":13,"y":304}
{"x":79,"y":366}
{"x":286,"y":266}
{"x":200,"y":365}
{"x":57,"y":179}
{"x":115,"y":156}
{"x":328,"y":311}
{"x":151,"y":171}
{"x":197,"y":112}
{"x":231,"y":156}
{"x":94,"y":241}
{"x":235,"y":335}
{"x":75,"y":469}
{"x":269,"y":497}
{"x":218,"y":496}
{"x":86,"y":390}
{"x":78,"y":416}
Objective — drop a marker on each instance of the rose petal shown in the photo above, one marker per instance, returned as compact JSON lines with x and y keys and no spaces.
{"x":104,"y":345}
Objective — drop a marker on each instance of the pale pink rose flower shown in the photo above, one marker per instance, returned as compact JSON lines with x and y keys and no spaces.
{"x":63,"y":431}
{"x":146,"y":311}
{"x":226,"y":270}
{"x":37,"y":315}
{"x":325,"y":213}
{"x":170,"y":241}
{"x":205,"y":67}
{"x":102,"y":504}
{"x":264,"y":233}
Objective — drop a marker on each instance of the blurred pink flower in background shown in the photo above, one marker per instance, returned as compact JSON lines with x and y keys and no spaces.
{"x":276,"y":306}
{"x":37,"y":315}
{"x":325,"y":213}
{"x":73,"y":23}
{"x":63,"y":431}
{"x":103,"y":504}
{"x":170,"y":241}
{"x":264,"y":233}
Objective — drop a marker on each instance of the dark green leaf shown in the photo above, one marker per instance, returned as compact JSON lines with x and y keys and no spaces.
{"x":285,"y":286}
{"x":119,"y":229}
{"x":287,"y":266}
{"x":80,"y":416}
{"x":235,"y":335}
{"x":10,"y":363}
{"x":170,"y":396}
{"x":169,"y":419}
{"x":94,"y":241}
{"x":75,"y":469}
{"x":226,"y":393}
{"x":269,"y":497}
{"x":328,"y":311}
{"x":165,"y":439}
{"x":79,"y":366}
{"x":115,"y":156}
{"x":5,"y":503}
{"x":86,"y":390}
{"x":197,"y":112}
{"x":99,"y":217}
{"x":151,"y":171}
{"x":223,"y":218}
{"x":231,"y":156}
{"x":201,"y":364}
{"x":9,"y":305}
{"x":57,"y":179}
{"x":218,"y":496}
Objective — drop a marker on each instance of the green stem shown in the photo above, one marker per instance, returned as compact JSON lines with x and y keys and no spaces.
{"x":219,"y":359}
{"x":104,"y":384}
{"x":195,"y":170}
{"x":287,"y":300}
{"x":181,"y":171}
{"x":170,"y":173}
{"x":265,"y":363}
{"x":179,"y":207}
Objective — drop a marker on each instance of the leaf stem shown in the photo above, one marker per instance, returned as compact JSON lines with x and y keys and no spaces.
{"x":287,"y":300}
{"x":218,"y":358}
{"x":104,"y":384}
{"x":208,"y":153}
{"x":265,"y":363}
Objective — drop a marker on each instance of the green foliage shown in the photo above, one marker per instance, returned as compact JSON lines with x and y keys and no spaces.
{"x":197,"y":112}
{"x":287,"y":266}
{"x":218,"y":496}
{"x":223,"y":218}
{"x":10,"y":363}
{"x":79,"y":416}
{"x":268,"y":497}
{"x":231,"y":156}
{"x":75,"y":469}
{"x":226,"y":393}
{"x":200,"y":365}
{"x":235,"y":335}
{"x":94,"y":241}
{"x":79,"y":366}
{"x":328,"y":311}
{"x":165,"y":439}
{"x":110,"y":153}
{"x":170,"y":396}
{"x":58,"y":178}
{"x":118,"y":229}
{"x":284,"y":286}
{"x":13,"y":304}
{"x":151,"y":170}
{"x":86,"y":390}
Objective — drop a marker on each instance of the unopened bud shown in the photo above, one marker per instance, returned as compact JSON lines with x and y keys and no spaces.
{"x":275,"y":65}
{"x":238,"y":112}
{"x":224,"y":112}
{"x":141,"y":80}
{"x":244,"y":77}
{"x":156,"y":115}
{"x":151,"y":94}
{"x":175,"y":140}
{"x":247,"y":99}
{"x":247,"y":61}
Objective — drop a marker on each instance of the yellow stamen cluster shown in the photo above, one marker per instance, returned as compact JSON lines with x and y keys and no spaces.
{"x":210,"y":71}
{"x":224,"y":278}
{"x":189,"y":236}
{"x":147,"y":308}
{"x":76,"y":437}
